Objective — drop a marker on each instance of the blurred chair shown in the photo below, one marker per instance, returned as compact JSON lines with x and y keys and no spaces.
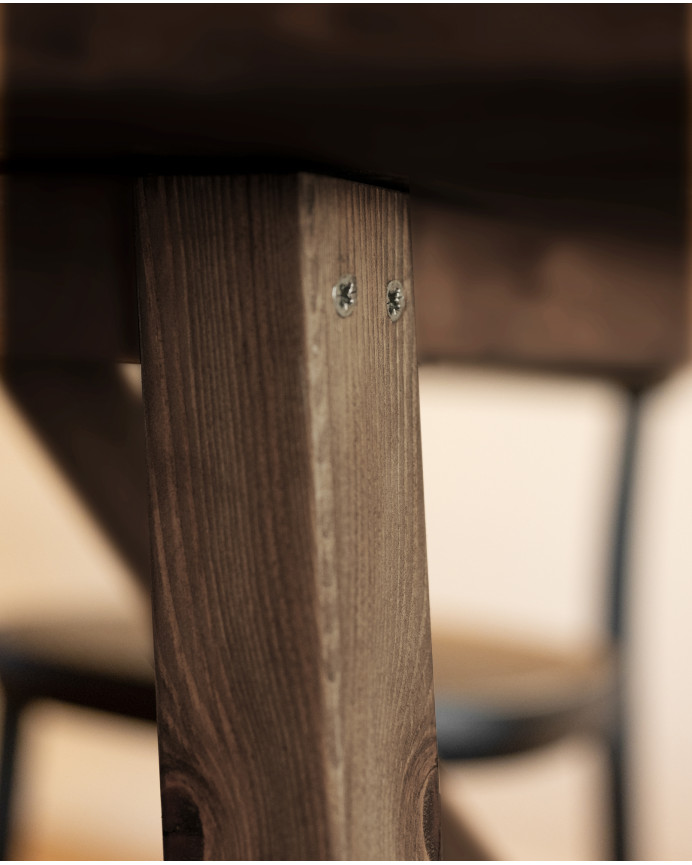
{"x":494,"y":699}
{"x":92,"y":423}
{"x":103,"y":665}
{"x":91,"y":420}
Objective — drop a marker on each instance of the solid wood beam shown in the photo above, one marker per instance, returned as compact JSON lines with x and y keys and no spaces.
{"x":292,"y":634}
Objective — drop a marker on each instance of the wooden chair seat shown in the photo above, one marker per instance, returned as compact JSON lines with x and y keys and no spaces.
{"x":484,"y":688}
{"x":104,"y":664}
{"x":496,"y":698}
{"x":107,"y":664}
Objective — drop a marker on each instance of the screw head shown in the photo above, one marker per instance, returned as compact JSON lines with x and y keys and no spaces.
{"x":344,"y":295}
{"x":395,"y":299}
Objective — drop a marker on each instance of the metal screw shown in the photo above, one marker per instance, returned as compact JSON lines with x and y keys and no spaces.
{"x":395,"y":299}
{"x":344,"y":295}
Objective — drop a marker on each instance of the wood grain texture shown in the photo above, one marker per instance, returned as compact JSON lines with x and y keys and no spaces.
{"x":504,"y":291}
{"x":291,"y":617}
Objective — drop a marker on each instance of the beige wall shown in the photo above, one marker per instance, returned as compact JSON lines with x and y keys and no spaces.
{"x":518,"y":477}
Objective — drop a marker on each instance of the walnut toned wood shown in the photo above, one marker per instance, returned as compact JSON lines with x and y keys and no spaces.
{"x":565,"y":297}
{"x":490,"y":290}
{"x":553,"y":127}
{"x":291,"y":617}
{"x":580,"y":104}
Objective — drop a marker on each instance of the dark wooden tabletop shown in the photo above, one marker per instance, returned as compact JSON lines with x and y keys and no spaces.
{"x":545,"y":146}
{"x":572,"y":109}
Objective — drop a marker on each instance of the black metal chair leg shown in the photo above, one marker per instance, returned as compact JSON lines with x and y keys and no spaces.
{"x":617,"y":745}
{"x":618,"y":793}
{"x":13,"y":710}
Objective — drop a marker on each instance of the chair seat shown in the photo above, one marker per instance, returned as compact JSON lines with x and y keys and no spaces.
{"x":102,"y":664}
{"x":496,"y":698}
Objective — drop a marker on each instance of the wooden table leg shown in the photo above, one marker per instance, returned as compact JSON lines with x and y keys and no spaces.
{"x":291,"y":619}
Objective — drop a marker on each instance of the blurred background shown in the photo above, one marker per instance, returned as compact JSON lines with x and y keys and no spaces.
{"x":546,"y":149}
{"x":519,"y":473}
